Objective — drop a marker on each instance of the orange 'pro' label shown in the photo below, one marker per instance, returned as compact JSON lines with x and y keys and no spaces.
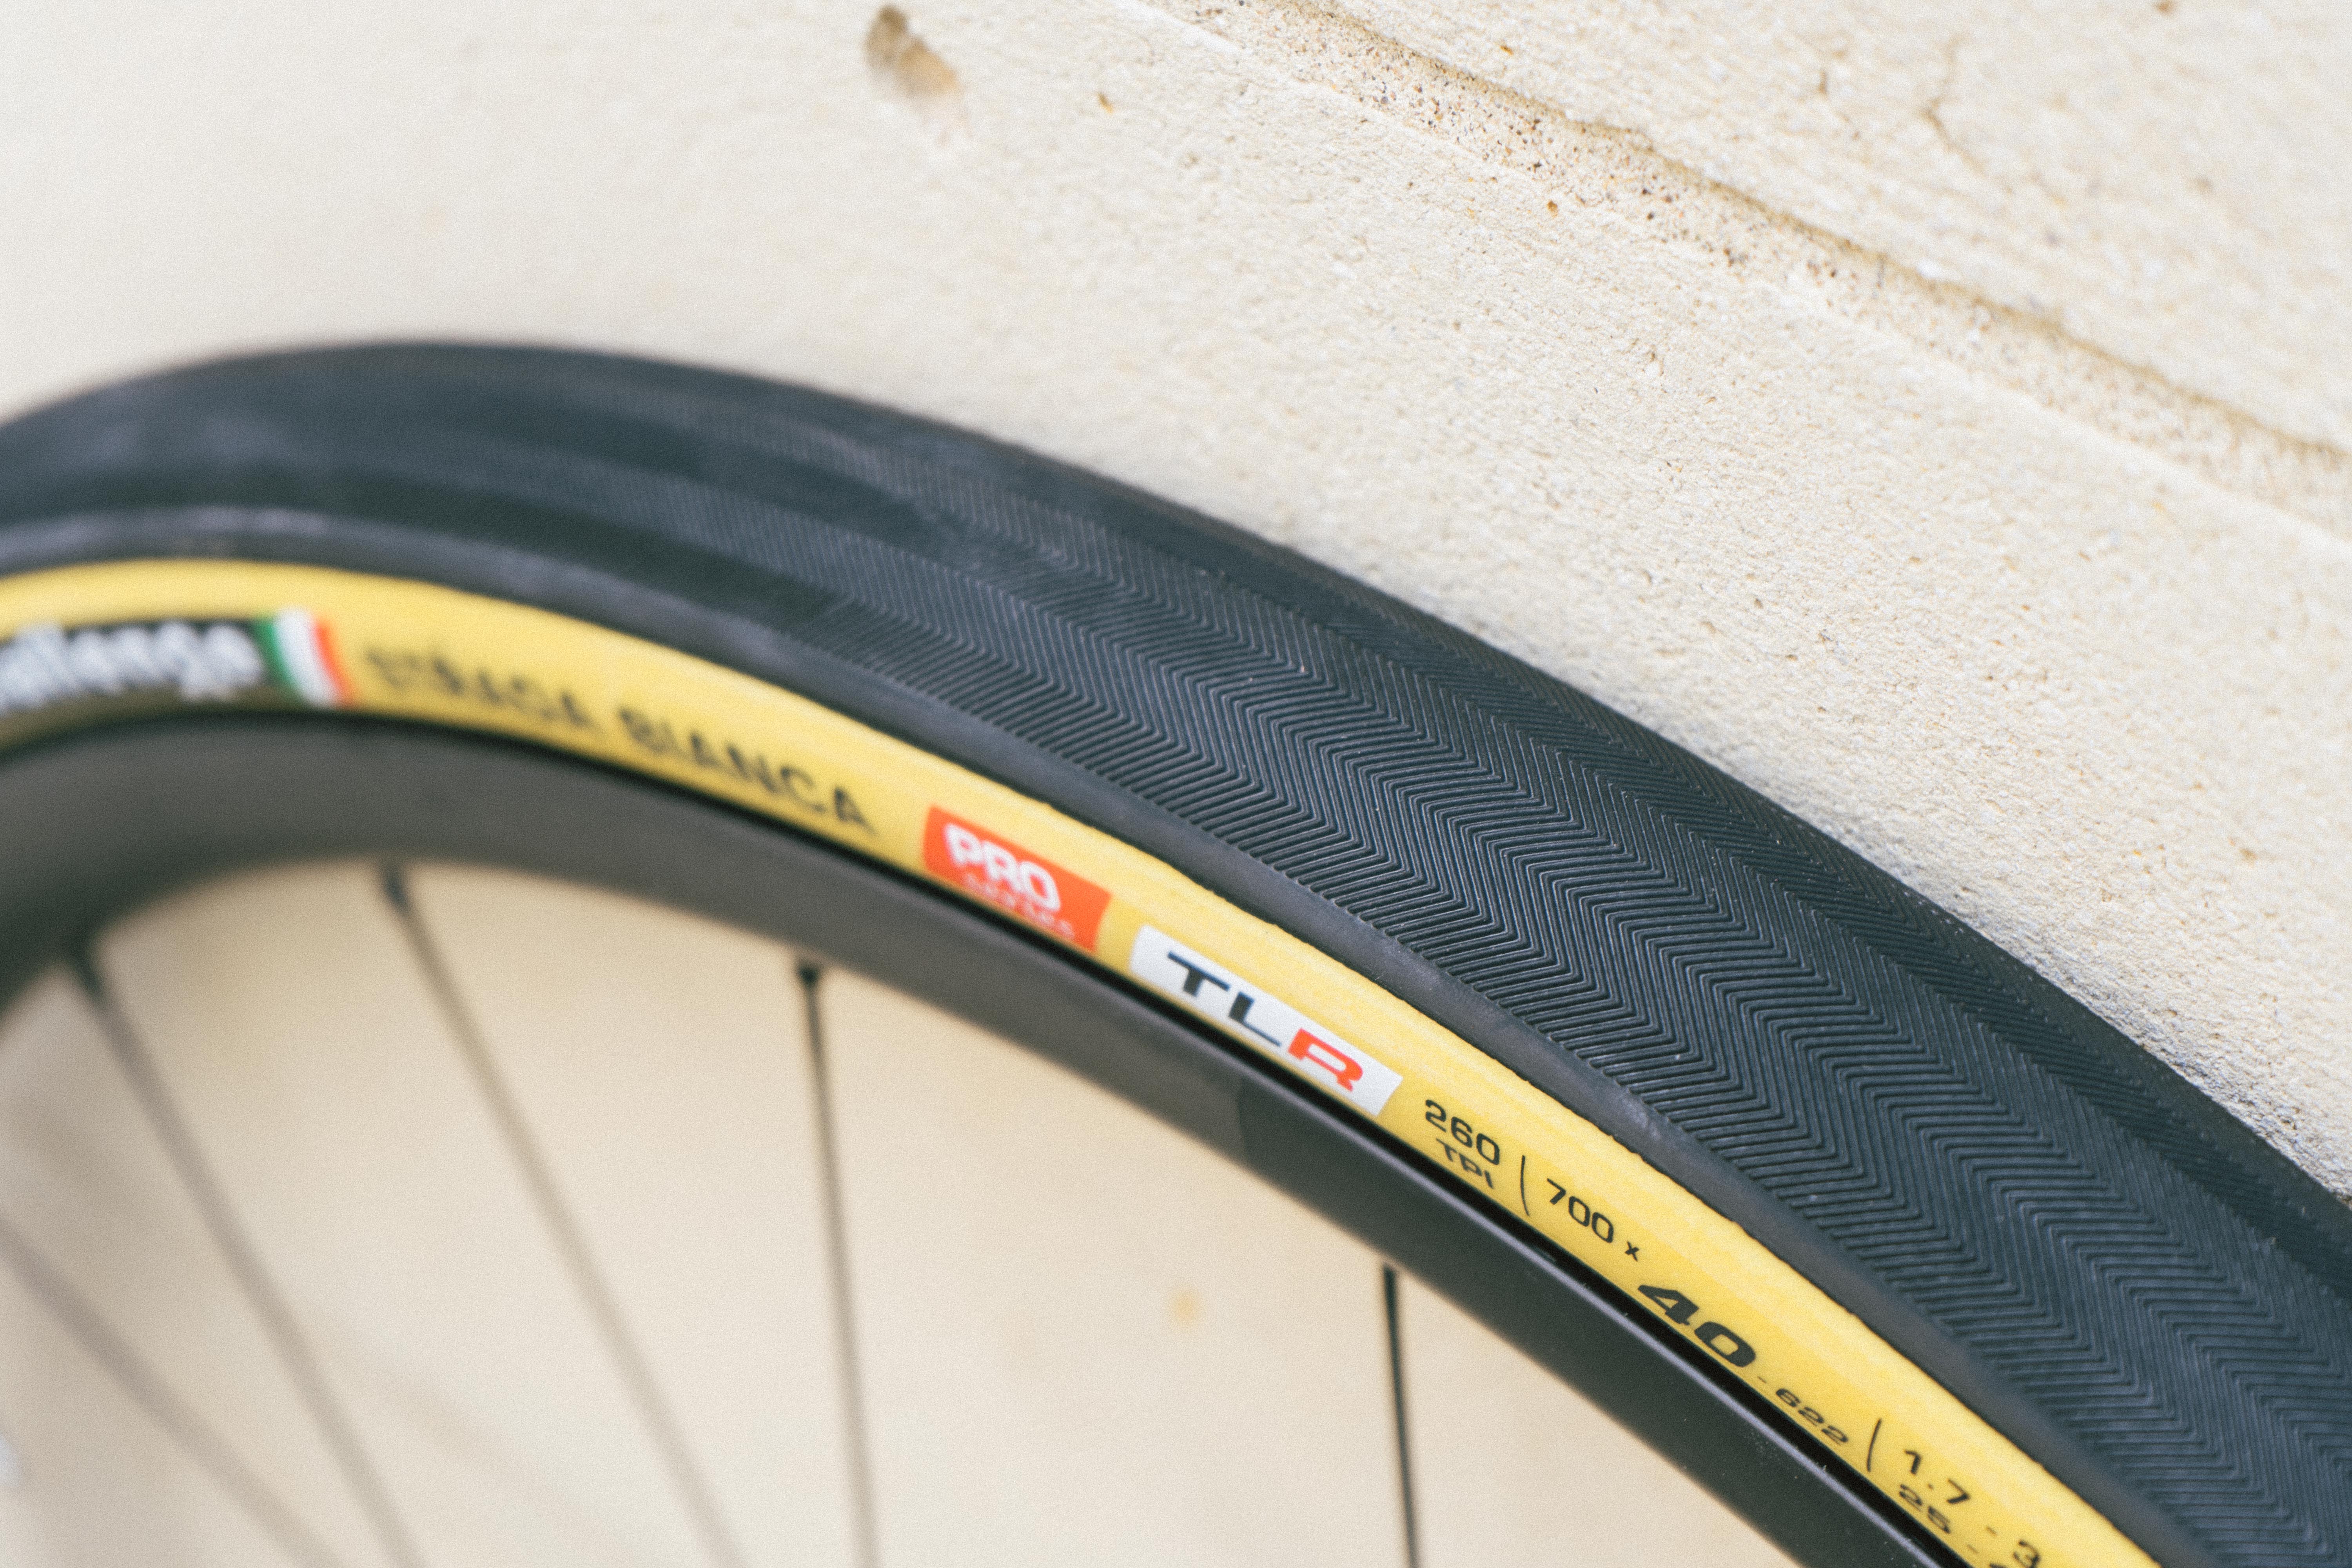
{"x":1014,"y":879}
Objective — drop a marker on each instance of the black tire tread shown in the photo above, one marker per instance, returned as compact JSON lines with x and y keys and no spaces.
{"x":2134,"y":1287}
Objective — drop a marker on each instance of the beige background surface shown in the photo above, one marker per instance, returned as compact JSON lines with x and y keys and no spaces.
{"x":496,"y":1304}
{"x":1934,"y":414}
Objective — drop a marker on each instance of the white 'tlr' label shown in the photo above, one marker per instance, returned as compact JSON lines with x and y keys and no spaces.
{"x":1290,"y":1037}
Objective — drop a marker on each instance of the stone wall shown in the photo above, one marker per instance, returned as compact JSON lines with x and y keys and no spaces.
{"x":1935,"y":414}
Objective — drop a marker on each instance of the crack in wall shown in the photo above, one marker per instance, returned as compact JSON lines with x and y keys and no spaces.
{"x":1932,"y":111}
{"x":1604,"y":168}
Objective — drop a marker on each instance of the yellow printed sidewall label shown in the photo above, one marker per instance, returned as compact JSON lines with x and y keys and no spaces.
{"x":409,"y":650}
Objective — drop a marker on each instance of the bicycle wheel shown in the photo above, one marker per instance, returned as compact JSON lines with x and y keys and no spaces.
{"x":1900,"y":1252}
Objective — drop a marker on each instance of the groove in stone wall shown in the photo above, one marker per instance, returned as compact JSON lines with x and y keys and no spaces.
{"x":1616,"y":172}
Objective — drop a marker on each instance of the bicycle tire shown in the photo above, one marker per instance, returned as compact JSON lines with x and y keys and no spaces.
{"x":1882,"y":1172}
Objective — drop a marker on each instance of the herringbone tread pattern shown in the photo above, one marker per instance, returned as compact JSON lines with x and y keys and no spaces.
{"x":2061,"y":1230}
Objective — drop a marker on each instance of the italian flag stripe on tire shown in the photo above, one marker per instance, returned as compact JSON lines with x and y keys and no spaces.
{"x":302,"y":657}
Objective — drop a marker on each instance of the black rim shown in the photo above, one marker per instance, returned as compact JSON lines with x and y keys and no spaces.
{"x":141,"y":810}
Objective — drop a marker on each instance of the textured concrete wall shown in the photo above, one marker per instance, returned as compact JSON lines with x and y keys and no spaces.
{"x":1935,"y":414}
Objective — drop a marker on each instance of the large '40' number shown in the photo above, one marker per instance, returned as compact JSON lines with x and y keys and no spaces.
{"x":1680,"y":1310}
